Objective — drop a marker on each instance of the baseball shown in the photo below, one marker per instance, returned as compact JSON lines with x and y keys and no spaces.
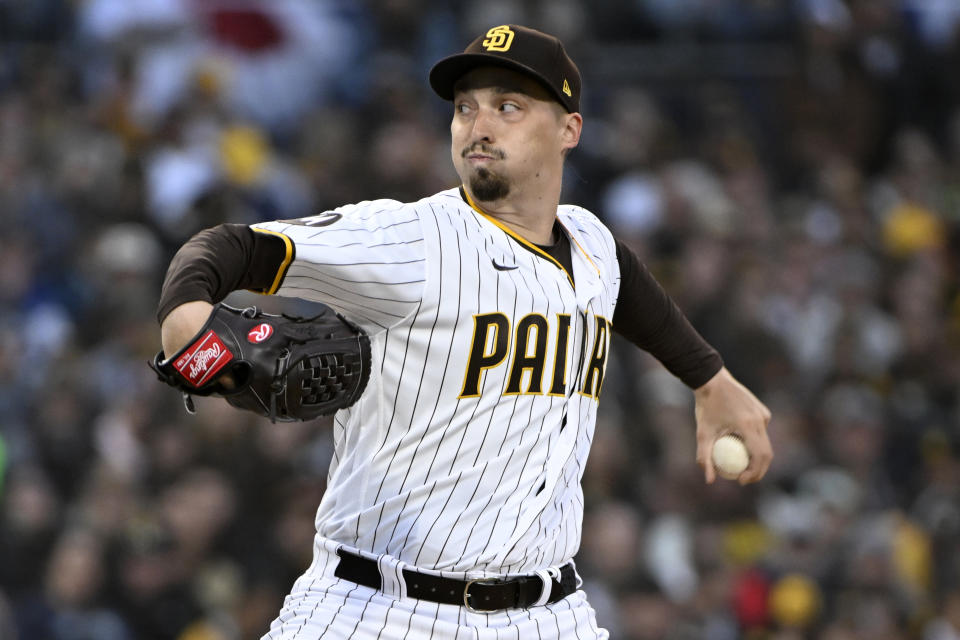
{"x":730,"y":456}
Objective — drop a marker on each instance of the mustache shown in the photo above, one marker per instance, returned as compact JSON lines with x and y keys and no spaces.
{"x":484,"y":149}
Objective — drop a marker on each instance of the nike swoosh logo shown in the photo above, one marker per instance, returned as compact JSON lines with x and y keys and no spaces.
{"x":502,"y":267}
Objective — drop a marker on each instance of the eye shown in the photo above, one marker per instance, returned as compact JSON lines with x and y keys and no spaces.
{"x":462,"y":107}
{"x":509,"y":107}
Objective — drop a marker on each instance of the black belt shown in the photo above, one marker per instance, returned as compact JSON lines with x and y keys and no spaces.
{"x":481,"y":595}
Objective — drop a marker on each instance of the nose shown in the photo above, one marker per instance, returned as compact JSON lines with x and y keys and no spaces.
{"x":483,"y":129}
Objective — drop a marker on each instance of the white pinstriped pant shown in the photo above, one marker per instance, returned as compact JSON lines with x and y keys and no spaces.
{"x":322,"y":606}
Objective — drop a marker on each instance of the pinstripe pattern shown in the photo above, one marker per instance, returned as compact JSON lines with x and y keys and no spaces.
{"x":487,"y":483}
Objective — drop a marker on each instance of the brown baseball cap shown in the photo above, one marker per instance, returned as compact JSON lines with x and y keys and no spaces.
{"x":520,"y":48}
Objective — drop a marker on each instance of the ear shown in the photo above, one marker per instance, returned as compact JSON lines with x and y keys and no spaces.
{"x":572,"y":124}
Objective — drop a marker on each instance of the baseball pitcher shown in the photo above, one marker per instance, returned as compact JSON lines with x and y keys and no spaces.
{"x":464,"y":353}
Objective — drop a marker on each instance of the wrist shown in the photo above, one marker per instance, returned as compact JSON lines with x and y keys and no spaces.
{"x":716,"y":380}
{"x":182,"y":324}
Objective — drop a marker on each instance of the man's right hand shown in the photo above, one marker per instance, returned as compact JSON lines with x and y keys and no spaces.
{"x":182,"y":324}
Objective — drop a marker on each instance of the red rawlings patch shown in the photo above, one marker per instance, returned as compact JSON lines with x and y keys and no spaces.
{"x":203,"y":359}
{"x":260,"y":333}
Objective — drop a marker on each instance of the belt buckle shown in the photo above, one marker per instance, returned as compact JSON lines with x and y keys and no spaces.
{"x":466,"y":593}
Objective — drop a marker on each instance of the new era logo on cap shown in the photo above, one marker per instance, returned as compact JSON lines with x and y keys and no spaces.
{"x":522,"y":49}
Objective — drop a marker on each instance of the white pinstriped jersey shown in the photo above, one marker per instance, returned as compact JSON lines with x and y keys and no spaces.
{"x":466,"y":451}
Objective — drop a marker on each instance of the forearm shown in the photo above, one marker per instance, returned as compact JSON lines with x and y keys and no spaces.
{"x":219,"y":260}
{"x":206,"y":269}
{"x":682,"y":350}
{"x":650,"y":319}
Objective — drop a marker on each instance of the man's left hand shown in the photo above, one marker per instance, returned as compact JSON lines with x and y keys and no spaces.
{"x":723,"y":405}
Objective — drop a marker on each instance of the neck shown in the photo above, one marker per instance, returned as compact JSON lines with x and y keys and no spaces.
{"x":531,"y":216}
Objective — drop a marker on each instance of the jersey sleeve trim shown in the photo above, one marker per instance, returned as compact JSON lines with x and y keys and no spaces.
{"x":284,"y":265}
{"x":513,"y":234}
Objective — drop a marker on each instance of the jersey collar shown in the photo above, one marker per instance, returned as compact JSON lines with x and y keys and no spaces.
{"x":526,"y":244}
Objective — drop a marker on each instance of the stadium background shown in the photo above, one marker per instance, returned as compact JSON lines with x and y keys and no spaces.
{"x":790,"y":170}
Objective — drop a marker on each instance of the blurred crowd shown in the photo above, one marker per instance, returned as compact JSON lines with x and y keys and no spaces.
{"x":789,"y":169}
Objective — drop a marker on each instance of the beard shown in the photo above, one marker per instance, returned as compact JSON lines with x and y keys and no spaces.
{"x":488,"y":186}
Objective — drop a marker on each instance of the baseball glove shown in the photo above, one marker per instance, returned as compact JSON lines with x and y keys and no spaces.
{"x":282,"y":367}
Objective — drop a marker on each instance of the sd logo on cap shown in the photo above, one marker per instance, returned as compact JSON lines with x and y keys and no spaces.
{"x":499,"y":39}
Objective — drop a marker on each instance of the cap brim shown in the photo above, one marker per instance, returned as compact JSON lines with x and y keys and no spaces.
{"x":444,"y":74}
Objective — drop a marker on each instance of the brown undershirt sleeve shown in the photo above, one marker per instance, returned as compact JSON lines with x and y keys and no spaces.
{"x":646,"y":316}
{"x":222,"y":259}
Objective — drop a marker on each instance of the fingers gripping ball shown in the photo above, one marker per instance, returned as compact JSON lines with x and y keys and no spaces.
{"x":282,"y":367}
{"x":730,"y":456}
